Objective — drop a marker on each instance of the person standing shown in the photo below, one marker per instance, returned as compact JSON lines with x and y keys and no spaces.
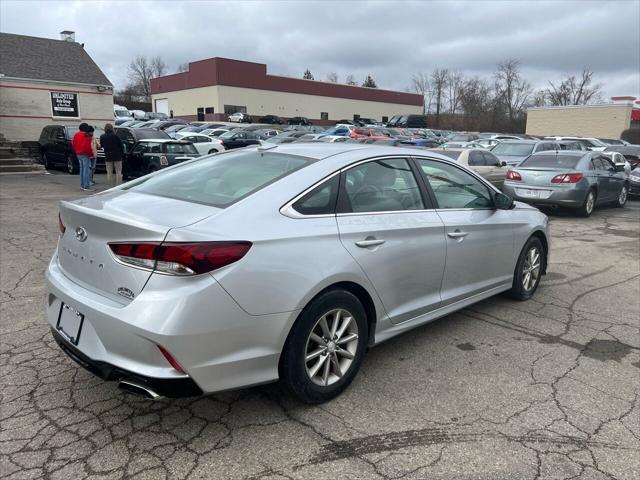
{"x":82,"y":145}
{"x":113,"y":153}
{"x":95,"y":146}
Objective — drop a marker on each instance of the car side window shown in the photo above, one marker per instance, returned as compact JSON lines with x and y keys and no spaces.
{"x":607,"y":164}
{"x":321,"y":200}
{"x":476,"y":159}
{"x":140,"y":149}
{"x":455,"y":188}
{"x":491,"y":159}
{"x":381,"y":186}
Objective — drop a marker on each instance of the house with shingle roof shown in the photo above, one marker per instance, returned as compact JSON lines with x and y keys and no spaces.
{"x":45,"y":81}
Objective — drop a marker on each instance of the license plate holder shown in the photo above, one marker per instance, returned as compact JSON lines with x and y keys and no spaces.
{"x":530,"y":193}
{"x":69,"y":323}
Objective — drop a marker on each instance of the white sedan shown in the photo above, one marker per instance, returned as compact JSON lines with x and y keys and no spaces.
{"x":203,"y":143}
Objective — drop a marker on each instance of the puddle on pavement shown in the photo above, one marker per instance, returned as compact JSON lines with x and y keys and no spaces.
{"x":465,"y":346}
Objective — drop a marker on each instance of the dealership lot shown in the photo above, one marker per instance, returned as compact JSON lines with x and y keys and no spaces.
{"x":541,"y":389}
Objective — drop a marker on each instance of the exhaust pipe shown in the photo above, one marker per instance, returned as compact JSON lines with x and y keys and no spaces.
{"x":138,"y":390}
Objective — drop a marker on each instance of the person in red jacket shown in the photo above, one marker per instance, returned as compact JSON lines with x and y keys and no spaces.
{"x":82,"y":145}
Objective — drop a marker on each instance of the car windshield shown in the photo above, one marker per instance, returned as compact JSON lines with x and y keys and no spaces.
{"x":220,"y":180}
{"x":513,"y":149}
{"x":551,"y":161}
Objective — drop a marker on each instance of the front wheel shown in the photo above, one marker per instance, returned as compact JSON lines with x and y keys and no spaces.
{"x":622,"y":198}
{"x":325,"y":347}
{"x":528,"y":272}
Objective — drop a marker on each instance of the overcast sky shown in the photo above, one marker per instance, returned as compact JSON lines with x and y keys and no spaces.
{"x":389,"y":40}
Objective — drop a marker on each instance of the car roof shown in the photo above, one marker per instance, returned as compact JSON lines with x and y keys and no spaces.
{"x":161,"y":140}
{"x":572,"y":153}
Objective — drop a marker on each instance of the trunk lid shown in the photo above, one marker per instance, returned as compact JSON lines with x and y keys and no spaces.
{"x":540,"y":176}
{"x":120,"y":216}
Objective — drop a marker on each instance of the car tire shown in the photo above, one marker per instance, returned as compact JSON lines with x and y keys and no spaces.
{"x":213,"y":150}
{"x":45,"y":161}
{"x":622,"y":197}
{"x":336,"y":359}
{"x":531,"y":261}
{"x":73,"y":166}
{"x":589,"y":204}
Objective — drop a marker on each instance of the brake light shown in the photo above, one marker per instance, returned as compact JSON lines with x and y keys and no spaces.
{"x":174,"y":363}
{"x":163,"y":160}
{"x":567,"y":178}
{"x":513,"y":175}
{"x":61,"y":226}
{"x":175,"y":258}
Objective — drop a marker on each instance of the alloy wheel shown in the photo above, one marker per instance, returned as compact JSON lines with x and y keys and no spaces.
{"x":531,"y":269}
{"x":331,"y":347}
{"x":622,"y":198}
{"x":591,"y":200}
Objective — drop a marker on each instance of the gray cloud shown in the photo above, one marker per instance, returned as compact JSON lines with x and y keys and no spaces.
{"x":389,"y":40}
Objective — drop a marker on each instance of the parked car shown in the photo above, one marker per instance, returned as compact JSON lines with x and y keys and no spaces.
{"x":299,"y":121}
{"x":481,"y":161}
{"x":364,"y":132}
{"x":571,"y":145}
{"x":344,"y":121}
{"x":271,"y":120}
{"x":240,"y":117}
{"x":239,"y":138}
{"x":156,"y":116}
{"x":130,"y":136}
{"x":266,"y":133}
{"x":204,"y":144}
{"x":214,"y":132}
{"x":243,"y":268}
{"x":634,"y":180}
{"x":577,"y":180}
{"x":591,"y":143}
{"x":148,"y":156}
{"x":613,"y":141}
{"x":172,"y":130}
{"x":56,"y":150}
{"x":515,"y":151}
{"x":408,"y":121}
{"x":341,"y":130}
{"x":631,"y":152}
{"x":369,"y":122}
{"x":462,"y":137}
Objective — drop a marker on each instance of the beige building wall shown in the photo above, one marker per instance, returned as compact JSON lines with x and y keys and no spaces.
{"x":263,"y":102}
{"x":599,"y":121}
{"x":25,"y":107}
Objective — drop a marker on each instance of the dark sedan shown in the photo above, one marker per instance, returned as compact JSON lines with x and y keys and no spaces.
{"x":271,"y":120}
{"x":299,"y":121}
{"x":239,"y":138}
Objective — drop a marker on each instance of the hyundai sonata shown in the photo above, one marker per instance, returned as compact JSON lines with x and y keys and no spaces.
{"x":280,"y":262}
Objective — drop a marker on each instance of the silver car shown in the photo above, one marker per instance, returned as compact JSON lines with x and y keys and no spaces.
{"x":280,"y":262}
{"x":515,"y":151}
{"x":574,"y":179}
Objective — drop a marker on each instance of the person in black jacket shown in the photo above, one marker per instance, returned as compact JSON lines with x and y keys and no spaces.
{"x":113,"y":153}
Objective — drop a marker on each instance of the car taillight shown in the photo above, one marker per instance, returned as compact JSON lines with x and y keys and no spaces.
{"x":174,"y":363}
{"x":163,"y":160}
{"x":176,"y":258}
{"x":513,"y":175}
{"x":567,"y":178}
{"x":61,"y":226}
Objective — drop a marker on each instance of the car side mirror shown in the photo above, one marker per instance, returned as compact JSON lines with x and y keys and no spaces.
{"x":503,"y":163}
{"x":619,"y":167}
{"x":502,"y":201}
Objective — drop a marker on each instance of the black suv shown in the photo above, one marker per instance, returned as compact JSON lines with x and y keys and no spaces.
{"x":299,"y":121}
{"x":271,"y":120}
{"x":148,"y":156}
{"x":56,"y":150}
{"x":408,"y":121}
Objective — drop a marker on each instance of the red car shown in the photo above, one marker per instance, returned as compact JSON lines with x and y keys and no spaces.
{"x":367,"y":133}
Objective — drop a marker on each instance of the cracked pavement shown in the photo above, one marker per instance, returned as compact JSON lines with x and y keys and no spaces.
{"x":544,"y":389}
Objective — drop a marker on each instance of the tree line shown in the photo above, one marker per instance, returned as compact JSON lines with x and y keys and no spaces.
{"x":349,"y":79}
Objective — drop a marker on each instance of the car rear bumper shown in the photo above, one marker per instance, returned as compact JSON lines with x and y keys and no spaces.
{"x":565,"y":196}
{"x":218,"y":344}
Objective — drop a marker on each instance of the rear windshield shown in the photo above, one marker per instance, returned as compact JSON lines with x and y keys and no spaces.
{"x":513,"y":149}
{"x":551,"y":161}
{"x":181,"y":148}
{"x":220,"y":180}
{"x":450,"y":154}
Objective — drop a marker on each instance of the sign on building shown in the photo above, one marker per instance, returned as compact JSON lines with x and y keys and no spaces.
{"x":64,"y":104}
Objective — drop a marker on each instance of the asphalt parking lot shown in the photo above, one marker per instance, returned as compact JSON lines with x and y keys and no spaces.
{"x":544,"y":389}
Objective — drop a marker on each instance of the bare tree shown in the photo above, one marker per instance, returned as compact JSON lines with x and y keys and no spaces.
{"x":420,"y":84}
{"x":307,"y":75}
{"x":332,"y":77}
{"x":575,"y":91}
{"x":539,"y":98}
{"x":475,"y":97}
{"x":438,"y":84}
{"x":351,"y":80}
{"x":141,"y":71}
{"x":183,"y":67}
{"x":455,"y":81}
{"x":512,"y":89}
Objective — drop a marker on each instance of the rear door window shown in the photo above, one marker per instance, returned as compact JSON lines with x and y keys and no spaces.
{"x":476,"y":159}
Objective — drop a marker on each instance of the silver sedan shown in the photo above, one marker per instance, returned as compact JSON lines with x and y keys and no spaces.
{"x":573,"y":179}
{"x":280,"y":262}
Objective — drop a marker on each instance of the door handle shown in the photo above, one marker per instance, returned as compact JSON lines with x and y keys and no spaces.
{"x":372,"y":242}
{"x":457,"y":234}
